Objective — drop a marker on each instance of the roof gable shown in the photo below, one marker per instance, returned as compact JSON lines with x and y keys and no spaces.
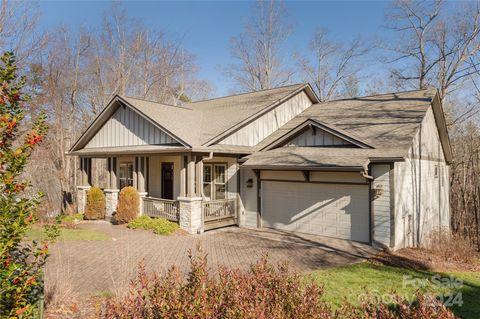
{"x":313,"y":133}
{"x":383,"y":121}
{"x":120,"y":124}
{"x":126,"y":127}
{"x":224,"y":116}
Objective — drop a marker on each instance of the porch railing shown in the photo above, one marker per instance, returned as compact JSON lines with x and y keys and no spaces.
{"x":219,"y":209}
{"x":159,"y":207}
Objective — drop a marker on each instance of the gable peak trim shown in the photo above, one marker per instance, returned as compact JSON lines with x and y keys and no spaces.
{"x":319,"y":125}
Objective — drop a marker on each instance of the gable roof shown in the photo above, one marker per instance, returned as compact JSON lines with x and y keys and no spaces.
{"x":224,"y":115}
{"x":195,"y":124}
{"x":322,"y":126}
{"x":386,"y":122}
{"x":381,"y":121}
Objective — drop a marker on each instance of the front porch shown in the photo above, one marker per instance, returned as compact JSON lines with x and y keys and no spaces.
{"x":198,"y":191}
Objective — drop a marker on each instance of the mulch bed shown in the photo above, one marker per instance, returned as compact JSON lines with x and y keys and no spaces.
{"x":87,"y":308}
{"x":425,"y":260}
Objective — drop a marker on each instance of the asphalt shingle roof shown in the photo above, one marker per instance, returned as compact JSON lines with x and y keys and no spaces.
{"x":382,"y":121}
{"x":196,"y":123}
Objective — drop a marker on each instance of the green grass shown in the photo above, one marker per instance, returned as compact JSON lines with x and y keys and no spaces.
{"x":352,"y":282}
{"x":67,"y":234}
{"x":72,"y":218}
{"x":160,"y":226}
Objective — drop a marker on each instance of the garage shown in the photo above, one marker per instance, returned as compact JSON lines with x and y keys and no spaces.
{"x":334,"y":210}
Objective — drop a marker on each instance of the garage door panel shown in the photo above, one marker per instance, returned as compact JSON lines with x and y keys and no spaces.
{"x":331,"y":210}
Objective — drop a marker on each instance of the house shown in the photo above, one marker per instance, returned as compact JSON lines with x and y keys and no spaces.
{"x":372,"y":169}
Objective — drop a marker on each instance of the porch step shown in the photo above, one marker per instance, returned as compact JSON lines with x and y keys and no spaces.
{"x":230,"y":221}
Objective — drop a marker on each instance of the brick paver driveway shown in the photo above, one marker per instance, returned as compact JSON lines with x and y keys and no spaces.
{"x":100,"y":266}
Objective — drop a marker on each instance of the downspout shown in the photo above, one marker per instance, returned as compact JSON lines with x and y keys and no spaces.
{"x":370,"y":203}
{"x":419,"y":184}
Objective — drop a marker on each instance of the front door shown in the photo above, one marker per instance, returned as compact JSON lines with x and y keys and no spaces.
{"x":167,"y":180}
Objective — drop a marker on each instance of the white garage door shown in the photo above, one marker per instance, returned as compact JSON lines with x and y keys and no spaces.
{"x":334,"y":210}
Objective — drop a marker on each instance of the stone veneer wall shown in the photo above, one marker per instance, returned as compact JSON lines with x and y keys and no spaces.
{"x":190,"y":214}
{"x":82,"y":198}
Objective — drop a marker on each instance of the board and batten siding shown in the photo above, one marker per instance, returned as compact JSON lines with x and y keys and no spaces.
{"x":254,"y":132}
{"x":128,"y":128}
{"x":422,"y":189}
{"x":381,"y":205}
{"x":248,"y":199}
{"x":316,"y":138}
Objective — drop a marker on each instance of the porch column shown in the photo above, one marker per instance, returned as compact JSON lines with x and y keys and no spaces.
{"x":85,"y":180}
{"x":191,"y":205}
{"x":183,"y":176}
{"x":191,"y":176}
{"x":111,"y":193}
{"x":140,"y":179}
{"x":199,"y":176}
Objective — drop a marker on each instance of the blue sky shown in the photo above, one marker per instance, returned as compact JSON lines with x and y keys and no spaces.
{"x":207,"y":26}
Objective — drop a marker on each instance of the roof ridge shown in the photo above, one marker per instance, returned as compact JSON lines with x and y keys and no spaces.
{"x":245,"y":93}
{"x":151,"y":101}
{"x":379,"y":94}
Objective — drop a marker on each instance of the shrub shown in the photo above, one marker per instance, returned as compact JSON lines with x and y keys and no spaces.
{"x":21,"y":260}
{"x":128,"y":205}
{"x":451,"y":247}
{"x":95,"y":204}
{"x":264,"y":291}
{"x":160,"y":226}
{"x":424,"y":306}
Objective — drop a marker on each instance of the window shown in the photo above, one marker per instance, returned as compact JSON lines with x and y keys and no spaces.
{"x":125,"y":174}
{"x":214,"y":181}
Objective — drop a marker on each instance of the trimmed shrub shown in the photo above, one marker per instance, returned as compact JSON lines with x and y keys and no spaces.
{"x":160,"y":226}
{"x":95,"y":204}
{"x":128,"y":205}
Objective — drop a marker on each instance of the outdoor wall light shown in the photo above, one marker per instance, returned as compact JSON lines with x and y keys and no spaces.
{"x":249,"y":183}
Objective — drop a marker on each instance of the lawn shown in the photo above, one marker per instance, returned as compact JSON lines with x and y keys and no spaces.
{"x":68,"y":234}
{"x":352,"y":282}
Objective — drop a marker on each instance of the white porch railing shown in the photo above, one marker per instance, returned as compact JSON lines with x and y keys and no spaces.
{"x":219,"y":209}
{"x":159,"y":207}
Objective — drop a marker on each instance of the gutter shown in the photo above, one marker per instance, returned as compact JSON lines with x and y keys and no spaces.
{"x":302,"y":168}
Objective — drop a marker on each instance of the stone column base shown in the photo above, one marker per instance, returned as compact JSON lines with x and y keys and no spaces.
{"x":111,"y":201}
{"x":142,"y":195}
{"x":190,"y":214}
{"x":82,"y":198}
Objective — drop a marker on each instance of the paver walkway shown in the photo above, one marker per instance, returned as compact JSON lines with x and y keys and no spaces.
{"x":100,"y":266}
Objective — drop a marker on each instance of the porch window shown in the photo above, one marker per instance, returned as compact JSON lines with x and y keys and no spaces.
{"x":126,"y":174}
{"x":214,"y":181}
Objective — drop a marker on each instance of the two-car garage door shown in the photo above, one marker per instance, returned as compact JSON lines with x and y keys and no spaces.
{"x":335,"y":210}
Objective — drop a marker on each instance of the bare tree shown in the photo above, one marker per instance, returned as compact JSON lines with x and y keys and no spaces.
{"x":257,"y":51}
{"x":80,"y":70}
{"x":439,"y":46}
{"x":435,"y":48}
{"x":334,"y":67}
{"x":18,"y":30}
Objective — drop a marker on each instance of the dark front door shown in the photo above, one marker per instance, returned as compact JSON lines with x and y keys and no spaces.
{"x":167,"y":180}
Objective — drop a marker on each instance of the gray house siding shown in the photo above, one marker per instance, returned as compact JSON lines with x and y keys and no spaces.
{"x":128,"y":128}
{"x":381,"y":205}
{"x":248,"y":199}
{"x":254,"y":132}
{"x":316,"y":138}
{"x":422,"y":192}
